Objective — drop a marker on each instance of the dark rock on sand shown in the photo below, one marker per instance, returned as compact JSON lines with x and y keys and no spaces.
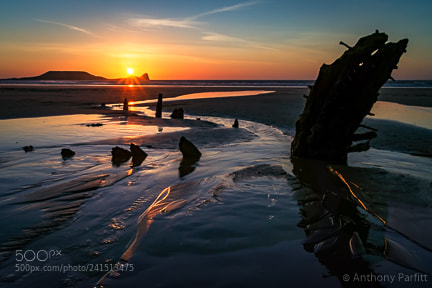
{"x":67,"y":153}
{"x":94,"y":124}
{"x":191,"y":155}
{"x":120,"y":155}
{"x":236,"y":124}
{"x":28,"y":148}
{"x":188,"y":149}
{"x":138,"y":155}
{"x":177,"y":113}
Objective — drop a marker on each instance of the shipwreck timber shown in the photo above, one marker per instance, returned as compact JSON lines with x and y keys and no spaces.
{"x":343,"y":94}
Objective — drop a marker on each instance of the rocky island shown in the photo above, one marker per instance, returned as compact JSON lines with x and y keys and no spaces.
{"x":74,"y":76}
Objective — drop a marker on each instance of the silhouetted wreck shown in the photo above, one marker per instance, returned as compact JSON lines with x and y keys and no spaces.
{"x":343,"y":94}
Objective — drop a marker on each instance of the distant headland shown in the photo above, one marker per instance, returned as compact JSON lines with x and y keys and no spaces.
{"x":74,"y":76}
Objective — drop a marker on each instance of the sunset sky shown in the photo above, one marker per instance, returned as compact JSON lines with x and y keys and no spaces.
{"x":199,"y":39}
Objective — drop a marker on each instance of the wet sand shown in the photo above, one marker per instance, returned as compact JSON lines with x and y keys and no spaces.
{"x":280,"y":109}
{"x":37,"y":101}
{"x":233,"y":213}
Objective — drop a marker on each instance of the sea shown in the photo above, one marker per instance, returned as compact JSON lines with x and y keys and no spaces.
{"x":216,"y":83}
{"x":240,"y":215}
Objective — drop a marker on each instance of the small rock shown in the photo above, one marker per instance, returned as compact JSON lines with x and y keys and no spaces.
{"x":188,"y":149}
{"x":177,"y":113}
{"x":236,"y":124}
{"x":67,"y":153}
{"x":28,"y":148}
{"x":94,"y":124}
{"x":120,"y":155}
{"x":138,"y":155}
{"x":191,"y":155}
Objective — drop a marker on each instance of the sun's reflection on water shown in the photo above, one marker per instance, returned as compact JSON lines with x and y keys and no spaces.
{"x":70,"y":129}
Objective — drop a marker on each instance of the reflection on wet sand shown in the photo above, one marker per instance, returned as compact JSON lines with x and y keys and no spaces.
{"x":170,"y":199}
{"x":343,"y":238}
{"x":58,"y":204}
{"x":178,"y":196}
{"x":335,"y":230}
{"x":414,"y":115}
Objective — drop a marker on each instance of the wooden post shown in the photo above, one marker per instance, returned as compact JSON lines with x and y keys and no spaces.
{"x":159,"y":107}
{"x":125,"y":104}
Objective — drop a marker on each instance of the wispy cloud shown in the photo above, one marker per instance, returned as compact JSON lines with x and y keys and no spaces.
{"x":225,"y":9}
{"x":149,"y":23}
{"x":75,"y":28}
{"x":210,"y":36}
{"x":192,"y":23}
{"x":188,"y":22}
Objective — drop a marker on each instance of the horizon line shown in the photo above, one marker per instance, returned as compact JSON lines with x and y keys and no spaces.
{"x":203,"y":79}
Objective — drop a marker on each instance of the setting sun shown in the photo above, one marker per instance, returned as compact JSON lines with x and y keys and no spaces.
{"x":130,"y":71}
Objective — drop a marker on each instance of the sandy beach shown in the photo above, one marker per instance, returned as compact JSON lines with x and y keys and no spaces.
{"x":242,"y":212}
{"x":35,"y":101}
{"x":280,"y":109}
{"x":215,"y":144}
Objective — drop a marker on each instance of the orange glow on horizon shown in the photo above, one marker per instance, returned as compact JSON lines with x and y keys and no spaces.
{"x":132,"y":91}
{"x":130,"y":81}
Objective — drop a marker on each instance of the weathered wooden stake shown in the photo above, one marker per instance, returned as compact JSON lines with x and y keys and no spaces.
{"x":159,"y":107}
